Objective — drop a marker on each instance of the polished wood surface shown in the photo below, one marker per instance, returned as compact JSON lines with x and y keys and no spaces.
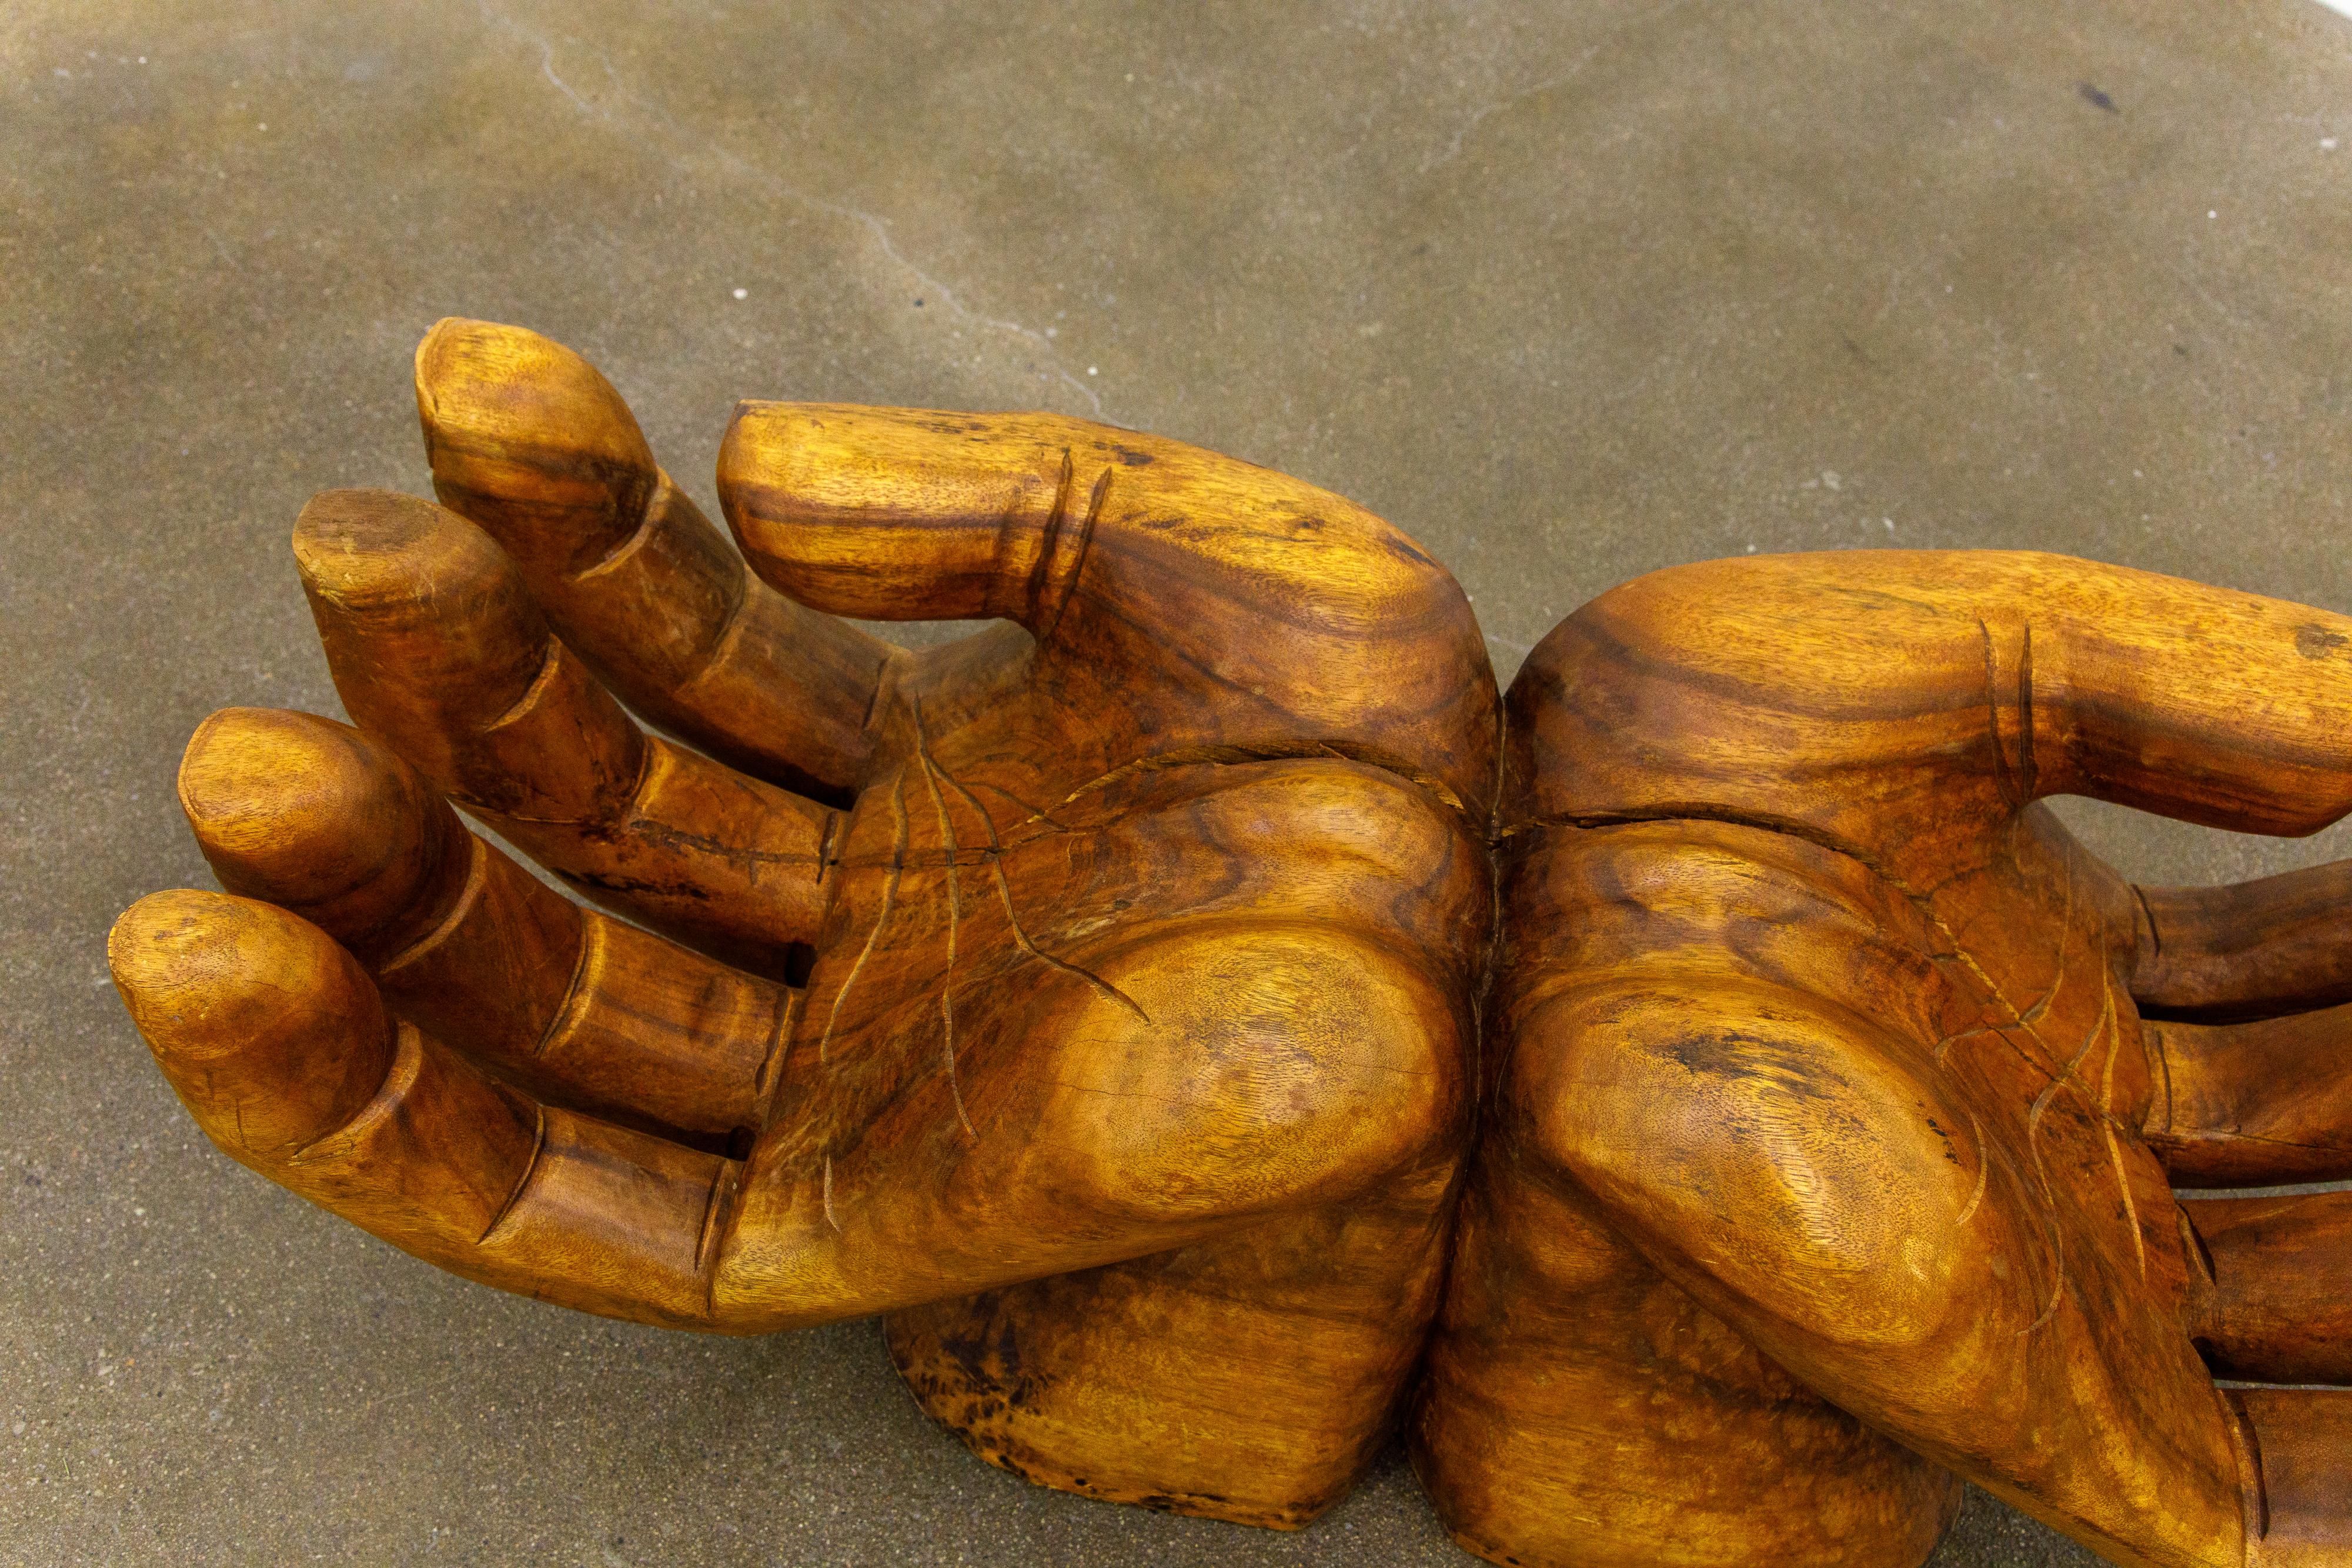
{"x":1840,"y":1095}
{"x":1095,"y":993}
{"x":1109,"y":998}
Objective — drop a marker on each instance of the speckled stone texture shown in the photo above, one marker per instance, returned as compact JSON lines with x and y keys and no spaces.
{"x":1569,"y":290}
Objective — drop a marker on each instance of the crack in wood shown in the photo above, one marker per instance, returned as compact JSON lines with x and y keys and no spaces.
{"x":889,"y":902}
{"x":1984,"y":1167}
{"x":1294,"y":751}
{"x":955,"y":918}
{"x":741,"y":857}
{"x":2107,"y":1126}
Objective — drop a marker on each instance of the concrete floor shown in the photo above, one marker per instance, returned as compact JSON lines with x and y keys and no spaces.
{"x":1569,"y":290}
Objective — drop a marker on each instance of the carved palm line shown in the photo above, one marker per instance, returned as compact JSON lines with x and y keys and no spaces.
{"x":949,"y":866}
{"x":1040,"y":575}
{"x":1053,"y":575}
{"x":2017,"y":790}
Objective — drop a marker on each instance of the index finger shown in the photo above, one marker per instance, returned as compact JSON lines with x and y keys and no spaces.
{"x":530,"y":443}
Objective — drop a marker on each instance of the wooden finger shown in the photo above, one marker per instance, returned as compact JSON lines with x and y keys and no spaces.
{"x":2278,"y":1308}
{"x":529,"y":441}
{"x":2299,"y":1488}
{"x":904,"y":514}
{"x":279,"y":1045}
{"x":582,"y":1010}
{"x":2253,"y":1104}
{"x":436,"y":646}
{"x":2250,"y":949}
{"x":1199,"y":598}
{"x":1899,"y":704}
{"x":2197,"y":702}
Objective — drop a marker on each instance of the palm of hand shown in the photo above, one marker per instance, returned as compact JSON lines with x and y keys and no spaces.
{"x":1138,"y":930}
{"x":1839,"y":1029}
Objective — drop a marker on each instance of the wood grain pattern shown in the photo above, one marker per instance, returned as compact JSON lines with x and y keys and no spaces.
{"x":1109,"y":998}
{"x":1805,"y":1003}
{"x":1095,"y":995}
{"x":1579,"y":1409}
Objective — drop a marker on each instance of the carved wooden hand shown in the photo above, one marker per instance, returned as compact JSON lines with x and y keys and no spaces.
{"x":1115,"y":961}
{"x":1845,"y":1092}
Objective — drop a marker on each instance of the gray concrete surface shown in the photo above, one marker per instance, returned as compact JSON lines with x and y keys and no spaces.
{"x":1569,"y":290}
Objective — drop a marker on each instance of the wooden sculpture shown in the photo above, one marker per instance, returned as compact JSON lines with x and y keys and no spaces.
{"x":1093,"y":995}
{"x":1843,"y":1094}
{"x":1098,"y":995}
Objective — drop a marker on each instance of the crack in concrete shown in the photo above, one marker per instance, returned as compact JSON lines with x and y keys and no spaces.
{"x":1486,"y":111}
{"x":649,"y":115}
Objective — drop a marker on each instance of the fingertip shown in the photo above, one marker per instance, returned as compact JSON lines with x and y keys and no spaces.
{"x":410,"y":597}
{"x":303,"y":812}
{"x":361,"y":546}
{"x":755,"y":483}
{"x":437,"y":646}
{"x":760,"y":437}
{"x":481,"y":368}
{"x":150,"y":947}
{"x":531,"y":440}
{"x":200,"y":965}
{"x":270,"y":1031}
{"x":738,"y":450}
{"x":431,"y":348}
{"x":442,"y":337}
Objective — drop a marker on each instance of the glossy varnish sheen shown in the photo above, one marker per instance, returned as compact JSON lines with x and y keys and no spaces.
{"x":1093,"y":996}
{"x":1842,"y":1096}
{"x":1111,"y":998}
